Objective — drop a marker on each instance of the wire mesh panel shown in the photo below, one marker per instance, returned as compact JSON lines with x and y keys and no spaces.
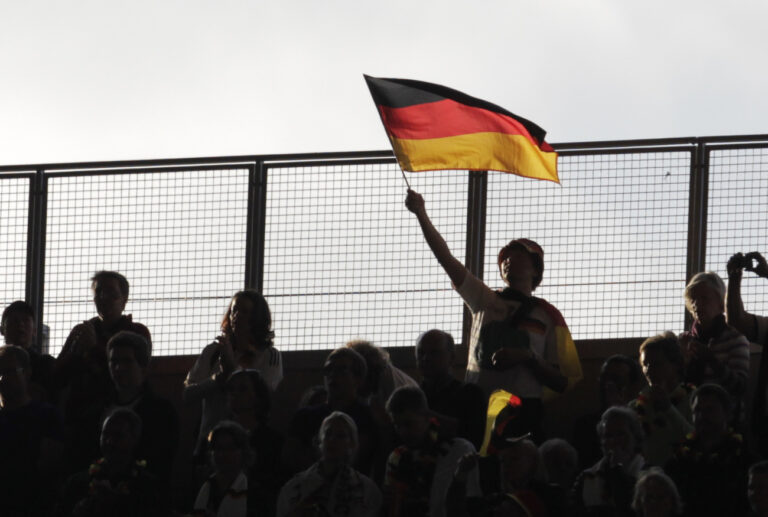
{"x":737,"y":219}
{"x":14,"y":210}
{"x":178,"y":236}
{"x":614,"y":237}
{"x":344,"y":258}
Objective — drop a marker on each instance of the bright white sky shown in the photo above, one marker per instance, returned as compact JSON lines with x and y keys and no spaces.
{"x":109,"y":80}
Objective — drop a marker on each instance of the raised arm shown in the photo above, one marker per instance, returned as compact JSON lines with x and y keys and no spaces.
{"x":455,"y":269}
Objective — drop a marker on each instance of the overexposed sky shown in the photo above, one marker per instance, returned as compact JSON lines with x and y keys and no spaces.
{"x":109,"y":80}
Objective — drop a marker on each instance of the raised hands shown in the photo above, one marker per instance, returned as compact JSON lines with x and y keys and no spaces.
{"x":752,"y":261}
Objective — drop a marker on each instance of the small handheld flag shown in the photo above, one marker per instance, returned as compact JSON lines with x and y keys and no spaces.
{"x":432,"y":127}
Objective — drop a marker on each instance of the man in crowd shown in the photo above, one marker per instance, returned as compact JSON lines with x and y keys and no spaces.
{"x":82,"y":375}
{"x":344,"y":372}
{"x":128,"y":356}
{"x":459,"y":406}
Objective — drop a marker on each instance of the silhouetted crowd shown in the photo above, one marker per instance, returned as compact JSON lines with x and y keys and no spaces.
{"x":84,"y":434}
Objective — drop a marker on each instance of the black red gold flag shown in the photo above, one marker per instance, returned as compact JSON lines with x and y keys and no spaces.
{"x":432,"y":127}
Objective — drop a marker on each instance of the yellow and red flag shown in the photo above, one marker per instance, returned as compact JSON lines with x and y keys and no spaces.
{"x":433,"y":127}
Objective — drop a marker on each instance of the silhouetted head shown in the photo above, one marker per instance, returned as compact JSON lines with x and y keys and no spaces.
{"x":409,"y":411}
{"x":18,"y":324}
{"x":247,"y":392}
{"x":338,"y":438}
{"x":248,"y":317}
{"x":110,"y":294}
{"x":434,"y":353}
{"x":522,"y":261}
{"x":128,"y":356}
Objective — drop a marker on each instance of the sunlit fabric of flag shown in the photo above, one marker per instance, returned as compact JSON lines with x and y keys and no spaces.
{"x":432,"y":127}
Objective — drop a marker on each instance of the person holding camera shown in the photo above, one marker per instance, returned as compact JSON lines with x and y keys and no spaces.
{"x":755,"y":328}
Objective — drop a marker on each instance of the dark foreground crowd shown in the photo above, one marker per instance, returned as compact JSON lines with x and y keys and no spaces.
{"x":84,"y":434}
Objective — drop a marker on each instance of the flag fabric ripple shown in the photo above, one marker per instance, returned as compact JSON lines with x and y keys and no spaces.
{"x":432,"y":127}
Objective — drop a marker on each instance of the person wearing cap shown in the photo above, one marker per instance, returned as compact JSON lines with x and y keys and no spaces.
{"x":518,"y":343}
{"x":715,"y":352}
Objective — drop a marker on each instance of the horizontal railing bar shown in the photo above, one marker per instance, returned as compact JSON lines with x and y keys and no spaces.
{"x":195,"y":161}
{"x":150,"y":170}
{"x":351,"y":155}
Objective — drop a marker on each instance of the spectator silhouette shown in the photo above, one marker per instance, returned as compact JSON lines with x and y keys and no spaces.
{"x":560,"y":461}
{"x":228,"y":491}
{"x":519,"y":343}
{"x":331,"y":487}
{"x":656,"y":495}
{"x":128,"y":357}
{"x":344,"y":372}
{"x":18,"y":327}
{"x":420,"y":472}
{"x":245,"y":342}
{"x":382,"y":377}
{"x":81,"y":367}
{"x":118,"y":483}
{"x":249,"y":402}
{"x":755,"y":329}
{"x":617,"y":384}
{"x":30,"y":440}
{"x":459,"y":407}
{"x":518,"y":479}
{"x":710,"y":465}
{"x":663,"y":406}
{"x":715,"y":352}
{"x":606,"y":488}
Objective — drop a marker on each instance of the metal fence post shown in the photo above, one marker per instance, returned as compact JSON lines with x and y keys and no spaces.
{"x":38,"y":193}
{"x":477,"y":198}
{"x":697,"y":215}
{"x":256,"y":225}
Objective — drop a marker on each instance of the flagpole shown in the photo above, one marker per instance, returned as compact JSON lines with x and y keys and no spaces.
{"x":406,"y":179}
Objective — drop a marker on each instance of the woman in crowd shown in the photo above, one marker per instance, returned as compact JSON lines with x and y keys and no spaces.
{"x":331,"y":487}
{"x":245,"y":342}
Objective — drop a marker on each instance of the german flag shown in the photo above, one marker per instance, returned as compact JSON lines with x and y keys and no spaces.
{"x":432,"y":127}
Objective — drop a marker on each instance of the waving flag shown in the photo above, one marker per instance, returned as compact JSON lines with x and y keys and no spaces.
{"x":432,"y":127}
